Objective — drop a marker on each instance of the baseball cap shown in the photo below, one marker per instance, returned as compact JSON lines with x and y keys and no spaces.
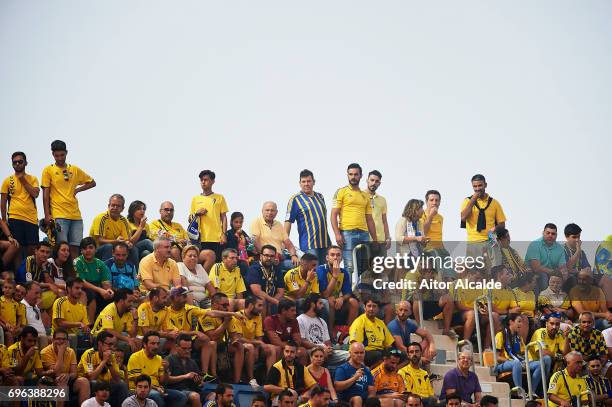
{"x":178,"y":291}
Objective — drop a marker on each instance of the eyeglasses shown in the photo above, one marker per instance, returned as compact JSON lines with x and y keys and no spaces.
{"x":168,"y":209}
{"x":18,"y":162}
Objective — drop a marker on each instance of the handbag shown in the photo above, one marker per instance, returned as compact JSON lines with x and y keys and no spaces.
{"x":193,"y":230}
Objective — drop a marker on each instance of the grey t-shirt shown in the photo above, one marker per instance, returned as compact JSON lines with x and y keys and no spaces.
{"x":313,"y":329}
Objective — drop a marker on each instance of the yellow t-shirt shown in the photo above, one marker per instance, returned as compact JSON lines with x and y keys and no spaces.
{"x":61,"y":183}
{"x":250,"y":328}
{"x":554,"y":345}
{"x":294,"y":280}
{"x":466,"y":296}
{"x":499,"y":345}
{"x":559,"y":388}
{"x":228,"y":282}
{"x":435,"y":231}
{"x":354,"y":206}
{"x":378,"y":204}
{"x":148,"y":318}
{"x":210,"y":223}
{"x":182,"y":320}
{"x":273,"y":235}
{"x":417,"y":381}
{"x":139,"y":364}
{"x":502,"y":298}
{"x":109,"y":319}
{"x":105,"y":227}
{"x":13,"y":357}
{"x":90,"y":360}
{"x":64,"y":309}
{"x":21,"y":205}
{"x":494,"y":213}
{"x":590,"y":300}
{"x":208,"y":323}
{"x":11,"y":312}
{"x":134,"y":228}
{"x":150,"y":269}
{"x":373,"y":335}
{"x":171,"y":231}
{"x":526,"y":301}
{"x":49,"y":359}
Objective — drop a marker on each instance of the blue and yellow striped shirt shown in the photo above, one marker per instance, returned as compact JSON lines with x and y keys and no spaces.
{"x":311,"y":215}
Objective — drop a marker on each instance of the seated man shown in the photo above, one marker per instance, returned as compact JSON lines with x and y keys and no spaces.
{"x":554,"y":299}
{"x":120,"y":319}
{"x":353,"y":380}
{"x":568,"y":383}
{"x":600,"y":385}
{"x":372,"y":333}
{"x":314,"y":332}
{"x":147,"y":361}
{"x":335,"y":288}
{"x":23,"y":359}
{"x":123,"y":272}
{"x":588,"y":297}
{"x":223,"y":396}
{"x":389,"y":385}
{"x":164,"y":227}
{"x":553,"y":342}
{"x":152,"y":313}
{"x":266,"y":230}
{"x":266,"y":281}
{"x":221,"y":331}
{"x":68,"y":313}
{"x":141,"y":398}
{"x":319,"y":397}
{"x":12,"y":315}
{"x":287,"y":373}
{"x":226,"y":278}
{"x":302,"y":280}
{"x":575,"y":257}
{"x":59,"y":362}
{"x":417,"y":380}
{"x":158,"y":269}
{"x":283,"y":327}
{"x":28,"y":302}
{"x":462,"y":381}
{"x":111,"y":227}
{"x":96,"y":278}
{"x":585,"y":339}
{"x":101,"y":391}
{"x":249,"y":332}
{"x":99,"y":365}
{"x":401,"y":328}
{"x":36,"y":268}
{"x":184,"y":374}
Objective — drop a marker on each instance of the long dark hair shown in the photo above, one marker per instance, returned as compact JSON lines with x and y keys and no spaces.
{"x":68,"y":266}
{"x":509,"y":337}
{"x":134,"y":206}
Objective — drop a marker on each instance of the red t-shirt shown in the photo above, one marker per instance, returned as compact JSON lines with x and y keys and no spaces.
{"x":284,"y":331}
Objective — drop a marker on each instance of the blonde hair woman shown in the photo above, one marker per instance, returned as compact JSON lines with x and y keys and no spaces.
{"x":195,"y":277}
{"x":409,"y":229}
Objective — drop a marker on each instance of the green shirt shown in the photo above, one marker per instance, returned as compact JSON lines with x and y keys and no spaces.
{"x":94,"y":272}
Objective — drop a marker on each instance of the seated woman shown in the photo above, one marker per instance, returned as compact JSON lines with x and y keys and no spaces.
{"x":237,"y":239}
{"x":320,"y":373}
{"x":195,"y":278}
{"x":139,"y":229}
{"x":524,"y":303}
{"x":510,"y":349}
{"x":61,"y":267}
{"x":510,"y":257}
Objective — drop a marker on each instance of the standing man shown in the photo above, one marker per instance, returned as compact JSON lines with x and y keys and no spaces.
{"x":545,"y":256}
{"x":164,"y":227}
{"x":61,"y":183}
{"x":378,"y":204}
{"x":480,"y":214}
{"x":308,"y":208}
{"x":351,"y":216}
{"x":18,"y":194}
{"x":268,"y":231}
{"x":211,"y":209}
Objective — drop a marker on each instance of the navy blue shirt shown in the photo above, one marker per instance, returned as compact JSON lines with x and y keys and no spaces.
{"x":404,"y":332}
{"x":323,"y":270}
{"x":270,"y":286}
{"x":360,"y":387}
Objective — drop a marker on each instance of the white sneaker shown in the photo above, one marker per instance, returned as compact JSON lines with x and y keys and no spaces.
{"x":253,"y":383}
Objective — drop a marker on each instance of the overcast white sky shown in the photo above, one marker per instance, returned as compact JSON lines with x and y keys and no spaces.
{"x":147,"y":94}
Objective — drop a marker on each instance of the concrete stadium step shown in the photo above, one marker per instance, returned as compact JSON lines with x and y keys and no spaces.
{"x":441,"y":342}
{"x":433,"y":327}
{"x":505,"y":402}
{"x":483,"y":373}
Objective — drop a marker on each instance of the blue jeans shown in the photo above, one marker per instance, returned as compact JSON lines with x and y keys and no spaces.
{"x":351,"y":239}
{"x":105,"y":252}
{"x":320,"y":253}
{"x":145,"y":247}
{"x":516,"y":367}
{"x":174,"y":398}
{"x":72,"y":231}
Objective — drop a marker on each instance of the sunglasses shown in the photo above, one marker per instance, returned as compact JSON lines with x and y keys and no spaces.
{"x":66,"y":175}
{"x":18,"y":162}
{"x":168,"y":210}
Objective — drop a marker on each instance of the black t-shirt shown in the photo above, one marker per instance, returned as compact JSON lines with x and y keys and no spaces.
{"x":177,"y":368}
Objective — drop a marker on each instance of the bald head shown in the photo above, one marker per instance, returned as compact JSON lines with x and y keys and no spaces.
{"x":269,"y":211}
{"x":356,"y":353}
{"x":402,"y":309}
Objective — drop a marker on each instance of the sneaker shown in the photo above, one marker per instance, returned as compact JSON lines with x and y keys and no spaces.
{"x":207,"y":378}
{"x":254,"y":383}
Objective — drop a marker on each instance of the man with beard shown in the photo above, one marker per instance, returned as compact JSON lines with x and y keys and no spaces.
{"x":401,"y":328}
{"x":587,"y":297}
{"x":567,"y":384}
{"x":287,"y":373}
{"x":266,"y":281}
{"x":372,"y":333}
{"x":314,"y":333}
{"x":416,"y":379}
{"x":319,"y":397}
{"x":153,"y":312}
{"x":389,"y":385}
{"x":283,"y":327}
{"x":302,"y":280}
{"x":553,"y":341}
{"x":378,"y":204}
{"x":18,"y":195}
{"x":164,"y":227}
{"x":140,"y":398}
{"x":354,"y":381}
{"x":599,"y":384}
{"x":249,"y":332}
{"x":120,"y":319}
{"x":585,"y":339}
{"x":351,"y":216}
{"x":224,"y":396}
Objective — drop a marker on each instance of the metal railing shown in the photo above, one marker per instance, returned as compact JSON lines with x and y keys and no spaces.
{"x":420,"y":304}
{"x":515,"y":390}
{"x":491,"y":327}
{"x":540,"y":345}
{"x":478,"y":335}
{"x":356,"y":274}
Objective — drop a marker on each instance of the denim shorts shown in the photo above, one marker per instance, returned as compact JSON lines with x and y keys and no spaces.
{"x":72,"y":231}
